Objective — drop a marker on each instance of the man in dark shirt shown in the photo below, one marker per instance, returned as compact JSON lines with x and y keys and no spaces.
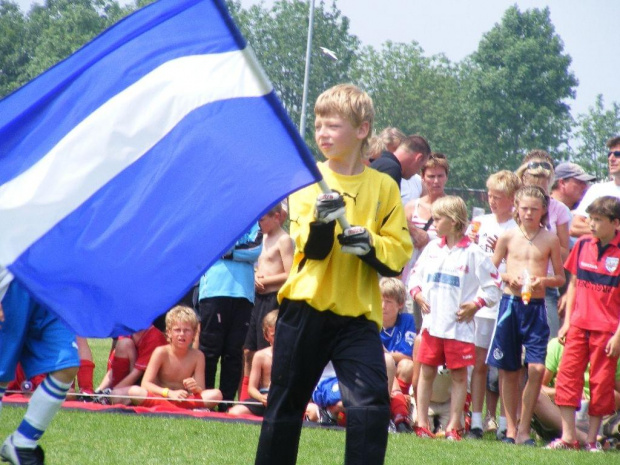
{"x":406,"y":160}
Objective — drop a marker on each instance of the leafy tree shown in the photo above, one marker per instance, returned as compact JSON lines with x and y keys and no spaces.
{"x":13,"y":50}
{"x":60,"y":27}
{"x":594,"y":128}
{"x":279,"y":36}
{"x":416,"y":94}
{"x":517,"y":83}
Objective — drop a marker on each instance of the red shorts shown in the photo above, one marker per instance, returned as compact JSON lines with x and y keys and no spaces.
{"x":581,"y":347}
{"x":192,"y":402}
{"x":437,"y":351}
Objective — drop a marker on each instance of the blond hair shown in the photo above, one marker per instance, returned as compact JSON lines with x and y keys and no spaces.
{"x":535,"y":192}
{"x":539,"y":171}
{"x":181,"y":314}
{"x":504,"y":181}
{"x":269,"y":320}
{"x":454,"y":208}
{"x":393,"y":288}
{"x":349,"y":102}
{"x":392,"y":137}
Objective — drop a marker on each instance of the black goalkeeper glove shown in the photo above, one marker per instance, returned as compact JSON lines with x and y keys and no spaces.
{"x":329,"y":207}
{"x":355,"y":240}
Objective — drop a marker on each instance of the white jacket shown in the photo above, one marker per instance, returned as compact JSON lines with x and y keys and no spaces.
{"x":449,"y":277}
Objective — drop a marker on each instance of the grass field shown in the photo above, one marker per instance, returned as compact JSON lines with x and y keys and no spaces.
{"x":77,"y":437}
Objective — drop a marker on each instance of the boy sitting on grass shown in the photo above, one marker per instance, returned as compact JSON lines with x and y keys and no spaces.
{"x":260,"y":374}
{"x":175,"y":373}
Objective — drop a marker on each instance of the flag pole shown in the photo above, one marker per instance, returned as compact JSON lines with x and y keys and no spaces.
{"x":344,"y":224}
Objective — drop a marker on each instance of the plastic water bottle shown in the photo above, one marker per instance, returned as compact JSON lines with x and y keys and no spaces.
{"x":526,"y":288}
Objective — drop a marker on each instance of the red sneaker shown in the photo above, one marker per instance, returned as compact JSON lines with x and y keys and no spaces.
{"x":423,"y":432}
{"x":559,"y":444}
{"x":453,"y":435}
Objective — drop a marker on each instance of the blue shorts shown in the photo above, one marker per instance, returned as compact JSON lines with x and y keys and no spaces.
{"x":519,"y":325}
{"x":327,"y":393}
{"x":34,"y":336}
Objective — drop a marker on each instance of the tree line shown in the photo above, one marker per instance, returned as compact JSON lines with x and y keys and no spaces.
{"x":511,"y":95}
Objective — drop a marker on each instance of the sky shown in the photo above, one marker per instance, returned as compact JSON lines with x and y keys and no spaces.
{"x":589,"y":29}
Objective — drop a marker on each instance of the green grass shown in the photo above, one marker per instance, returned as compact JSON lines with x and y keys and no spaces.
{"x":77,"y":437}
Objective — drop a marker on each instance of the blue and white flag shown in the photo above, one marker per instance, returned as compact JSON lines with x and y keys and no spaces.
{"x":129,"y":167}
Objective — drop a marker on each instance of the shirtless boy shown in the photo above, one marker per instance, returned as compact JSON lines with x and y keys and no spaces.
{"x":260,"y":374}
{"x":274,"y":264}
{"x":175,"y":373}
{"x":528,"y":247}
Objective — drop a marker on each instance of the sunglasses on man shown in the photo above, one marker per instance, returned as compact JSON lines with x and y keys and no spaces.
{"x":615,"y":153}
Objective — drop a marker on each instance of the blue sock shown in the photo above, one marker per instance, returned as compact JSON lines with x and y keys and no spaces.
{"x":44,"y":404}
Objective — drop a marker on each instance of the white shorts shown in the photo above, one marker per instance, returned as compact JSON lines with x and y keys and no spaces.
{"x":483,"y":332}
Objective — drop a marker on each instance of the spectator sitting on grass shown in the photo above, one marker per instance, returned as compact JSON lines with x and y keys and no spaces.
{"x":260,"y":373}
{"x":175,"y":373}
{"x":128,"y":361}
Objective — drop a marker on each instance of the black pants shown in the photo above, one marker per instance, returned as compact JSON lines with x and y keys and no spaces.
{"x":306,"y":340}
{"x":223,"y":326}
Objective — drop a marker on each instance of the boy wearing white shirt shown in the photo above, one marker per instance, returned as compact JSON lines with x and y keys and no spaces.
{"x":450,"y":282}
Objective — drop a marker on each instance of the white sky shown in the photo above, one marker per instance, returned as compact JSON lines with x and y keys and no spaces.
{"x":590,"y":31}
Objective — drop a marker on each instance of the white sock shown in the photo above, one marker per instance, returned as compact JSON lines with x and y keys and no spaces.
{"x":502,"y":426}
{"x":476,"y":420}
{"x":44,"y":404}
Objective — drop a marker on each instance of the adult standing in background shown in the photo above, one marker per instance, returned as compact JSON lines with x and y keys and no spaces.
{"x":580,"y":225}
{"x":406,"y":160}
{"x":571,"y":183}
{"x":418,"y":213}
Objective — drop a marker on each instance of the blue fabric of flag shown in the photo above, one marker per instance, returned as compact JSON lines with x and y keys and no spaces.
{"x":132,"y":247}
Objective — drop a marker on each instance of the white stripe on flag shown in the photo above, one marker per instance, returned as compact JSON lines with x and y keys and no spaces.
{"x":113,"y":137}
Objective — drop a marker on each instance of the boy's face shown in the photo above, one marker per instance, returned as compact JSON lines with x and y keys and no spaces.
{"x":443,"y":225}
{"x":499,"y":202}
{"x":181,"y":334}
{"x":337,"y":138}
{"x":530,"y":211}
{"x":269,"y":223}
{"x":602,"y":227}
{"x":270,"y":334}
{"x":390,"y":309}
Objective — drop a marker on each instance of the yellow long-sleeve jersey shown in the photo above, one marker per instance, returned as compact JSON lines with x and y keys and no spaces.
{"x":343,"y":283}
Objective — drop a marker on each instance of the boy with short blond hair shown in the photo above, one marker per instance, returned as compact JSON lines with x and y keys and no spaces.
{"x":452,"y":280}
{"x":174,"y":375}
{"x":523,"y":322}
{"x":501,"y":189}
{"x":591,"y":330}
{"x":330,"y":304}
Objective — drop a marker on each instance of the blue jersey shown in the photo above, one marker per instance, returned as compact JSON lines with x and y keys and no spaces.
{"x":400,"y":337}
{"x":233,"y":276}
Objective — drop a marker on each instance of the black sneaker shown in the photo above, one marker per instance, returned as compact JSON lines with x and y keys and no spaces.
{"x":325,"y":418}
{"x":103,"y":397}
{"x":475,"y":433}
{"x":404,"y":427}
{"x":21,"y":455}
